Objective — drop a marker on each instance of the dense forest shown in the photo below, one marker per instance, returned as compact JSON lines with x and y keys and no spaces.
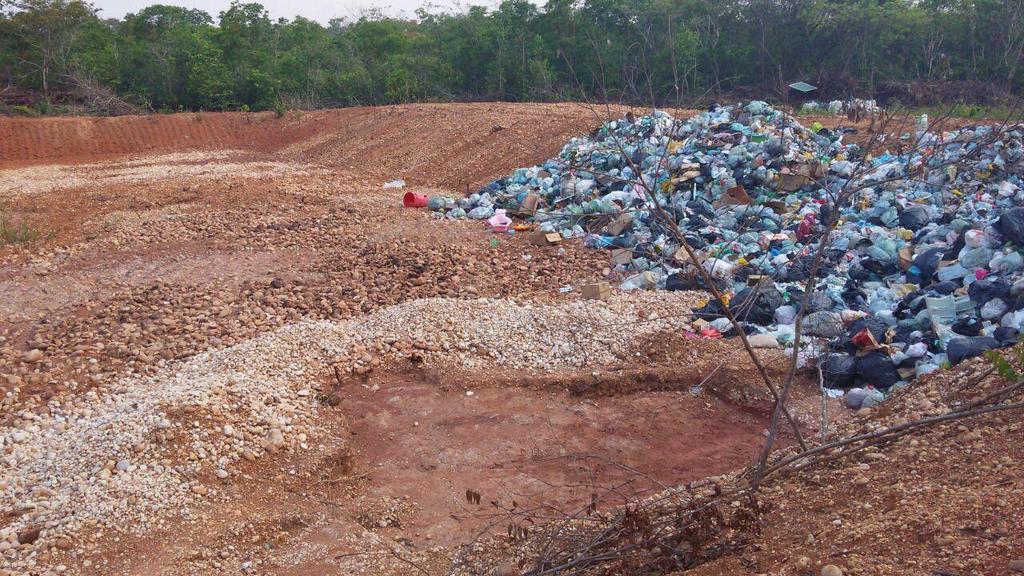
{"x":667,"y":51}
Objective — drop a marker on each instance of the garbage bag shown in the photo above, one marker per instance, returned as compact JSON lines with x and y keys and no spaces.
{"x":710,"y":311}
{"x":858,"y":398}
{"x":993,"y":309}
{"x":1006,"y":263}
{"x":785,"y":315}
{"x":437,"y":203}
{"x":914,"y":217}
{"x":876,"y":369}
{"x":1011,"y":225}
{"x":876,"y":325}
{"x":839,"y":370}
{"x":960,"y":349}
{"x":967,"y":327}
{"x":972,"y":258}
{"x":1007,"y":336}
{"x":818,"y":301}
{"x":943,"y":288}
{"x":682,"y":281}
{"x":855,"y":397}
{"x":924,"y":265}
{"x":826,"y":324}
{"x":481,"y":213}
{"x":986,"y":290}
{"x":756,"y":305}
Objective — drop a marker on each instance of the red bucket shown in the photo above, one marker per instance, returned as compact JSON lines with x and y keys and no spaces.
{"x":414,"y":200}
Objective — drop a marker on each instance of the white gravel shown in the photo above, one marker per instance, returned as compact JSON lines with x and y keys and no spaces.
{"x":130,"y":456}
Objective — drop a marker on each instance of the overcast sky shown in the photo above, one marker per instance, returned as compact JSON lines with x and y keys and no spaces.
{"x":320,"y":10}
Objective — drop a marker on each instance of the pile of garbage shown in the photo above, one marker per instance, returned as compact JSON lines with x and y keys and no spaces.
{"x":853,"y":106}
{"x":923,"y":269}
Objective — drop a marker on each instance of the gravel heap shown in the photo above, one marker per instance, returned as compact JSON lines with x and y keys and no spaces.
{"x":525,"y":335}
{"x":132,"y":455}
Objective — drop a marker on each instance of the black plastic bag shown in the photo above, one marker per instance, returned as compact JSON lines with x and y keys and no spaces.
{"x":967,"y":326}
{"x":876,"y":369}
{"x":711,"y":311}
{"x":681,"y":281}
{"x":943,"y":288}
{"x":914,"y":218}
{"x":756,"y":305}
{"x":924,"y":266}
{"x":877,"y":326}
{"x":960,"y":349}
{"x":839,"y":371}
{"x":982,"y":291}
{"x":1011,"y":224}
{"x":1007,"y":336}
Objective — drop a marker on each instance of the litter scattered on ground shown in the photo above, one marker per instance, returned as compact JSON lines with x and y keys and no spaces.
{"x":923,"y":270}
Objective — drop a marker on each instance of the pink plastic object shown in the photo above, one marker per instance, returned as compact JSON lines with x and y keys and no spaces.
{"x":499,"y":222}
{"x":414,"y":200}
{"x":980,"y":274}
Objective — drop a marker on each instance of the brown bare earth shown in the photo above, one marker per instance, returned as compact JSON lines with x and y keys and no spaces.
{"x":228,"y":350}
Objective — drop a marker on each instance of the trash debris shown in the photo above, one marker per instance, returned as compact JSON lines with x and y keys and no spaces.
{"x":596,"y":291}
{"x":499,"y":222}
{"x":924,"y":264}
{"x":414,"y":200}
{"x":394,"y":184}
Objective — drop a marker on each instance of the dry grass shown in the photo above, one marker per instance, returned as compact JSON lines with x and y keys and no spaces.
{"x":16,"y":232}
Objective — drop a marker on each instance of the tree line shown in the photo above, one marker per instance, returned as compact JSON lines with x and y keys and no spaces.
{"x":168,"y":58}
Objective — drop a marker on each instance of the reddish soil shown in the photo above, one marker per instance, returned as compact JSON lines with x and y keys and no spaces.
{"x":443,"y":145}
{"x":538,"y":448}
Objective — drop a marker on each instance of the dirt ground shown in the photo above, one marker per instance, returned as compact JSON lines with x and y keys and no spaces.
{"x":287,"y":373}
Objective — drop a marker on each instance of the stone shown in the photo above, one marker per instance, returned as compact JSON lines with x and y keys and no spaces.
{"x":504,"y":569}
{"x":1017,"y":565}
{"x":32,"y":356}
{"x":831,"y":570}
{"x":29,"y":535}
{"x":275,"y":439}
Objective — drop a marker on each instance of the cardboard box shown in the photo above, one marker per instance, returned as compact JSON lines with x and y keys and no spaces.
{"x":906,"y":258}
{"x":622,"y":256}
{"x":777,"y":206}
{"x":621,"y":222}
{"x":541,"y":238}
{"x":736,"y":196}
{"x":530,"y":203}
{"x":789,"y":182}
{"x":597,"y":291}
